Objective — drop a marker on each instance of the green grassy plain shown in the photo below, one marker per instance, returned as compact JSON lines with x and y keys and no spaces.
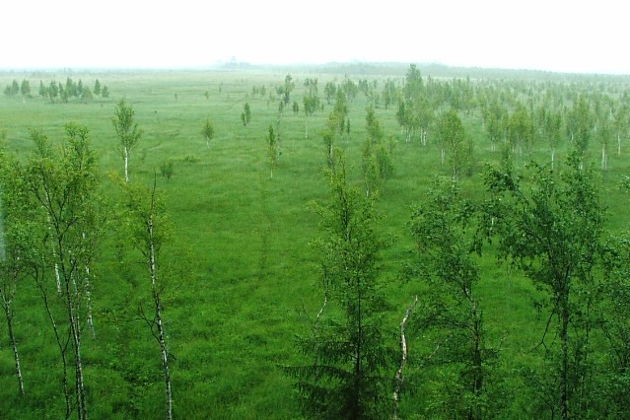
{"x":242,"y":276}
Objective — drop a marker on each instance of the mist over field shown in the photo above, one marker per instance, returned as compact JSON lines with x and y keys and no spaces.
{"x":336,"y":210}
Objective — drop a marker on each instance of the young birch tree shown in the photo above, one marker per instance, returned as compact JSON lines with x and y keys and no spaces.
{"x":273,"y":149}
{"x":147,"y":222}
{"x":63,"y":185}
{"x":551,"y":230}
{"x":16,"y":247}
{"x":451,"y":135}
{"x":445,"y":241}
{"x":127,"y":131}
{"x":208,"y":132}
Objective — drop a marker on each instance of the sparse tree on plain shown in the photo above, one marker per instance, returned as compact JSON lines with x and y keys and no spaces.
{"x":246,"y":115}
{"x":25,"y":88}
{"x":147,"y":223}
{"x":127,"y":131}
{"x":273,"y":149}
{"x":208,"y":132}
{"x":452,"y":136}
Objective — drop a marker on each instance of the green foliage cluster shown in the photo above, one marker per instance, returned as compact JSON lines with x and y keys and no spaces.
{"x":63,"y":92}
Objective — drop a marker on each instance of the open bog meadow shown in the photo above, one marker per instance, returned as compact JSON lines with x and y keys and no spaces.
{"x":352,"y":242}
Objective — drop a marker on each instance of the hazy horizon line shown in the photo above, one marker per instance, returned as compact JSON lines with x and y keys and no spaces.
{"x":243,"y":65}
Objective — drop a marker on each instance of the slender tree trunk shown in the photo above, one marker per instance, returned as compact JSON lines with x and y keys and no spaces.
{"x":321,"y":310}
{"x":126,"y":157}
{"x":72,"y":307}
{"x":60,"y":344}
{"x":618,"y":145}
{"x":477,"y":361}
{"x":18,"y":370}
{"x":553,"y":157}
{"x":399,"y":378}
{"x":57,"y":278}
{"x":604,"y":157}
{"x":564,"y":343}
{"x":88,"y":295}
{"x":161,"y":336}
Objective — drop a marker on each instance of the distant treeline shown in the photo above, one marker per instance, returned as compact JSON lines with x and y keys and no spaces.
{"x":58,"y":91}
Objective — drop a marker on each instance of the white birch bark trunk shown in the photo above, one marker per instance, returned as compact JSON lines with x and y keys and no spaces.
{"x":16,"y":355}
{"x":160,"y":327}
{"x":75,"y":330}
{"x":88,"y":295}
{"x":321,"y":310}
{"x":403,"y":358}
{"x":57,"y":278}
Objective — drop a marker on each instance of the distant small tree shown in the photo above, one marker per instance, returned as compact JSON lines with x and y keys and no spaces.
{"x":621,"y":124}
{"x":105,"y":92}
{"x":451,"y":135}
{"x":287,"y":88}
{"x":71,"y":87}
{"x":15,"y":88}
{"x":127,"y":131}
{"x":86,"y":95}
{"x":579,"y":126}
{"x":273,"y":149}
{"x":63,"y":94}
{"x":97,"y":87}
{"x":42,"y":89}
{"x":310,"y":105}
{"x":520,"y":130}
{"x":208,"y":131}
{"x":552,"y":131}
{"x":330,"y":90}
{"x":53,"y":91}
{"x":246,"y":115}
{"x":25,"y":88}
{"x":377,"y":165}
{"x":604,"y":135}
{"x":296,"y":107}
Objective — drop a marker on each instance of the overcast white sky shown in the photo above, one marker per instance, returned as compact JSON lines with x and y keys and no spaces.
{"x":558,"y":35}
